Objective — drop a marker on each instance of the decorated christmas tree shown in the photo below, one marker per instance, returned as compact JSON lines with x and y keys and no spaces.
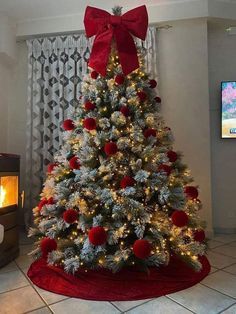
{"x":117,"y":194}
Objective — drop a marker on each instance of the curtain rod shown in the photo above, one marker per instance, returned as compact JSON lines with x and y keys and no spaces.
{"x":23,"y":39}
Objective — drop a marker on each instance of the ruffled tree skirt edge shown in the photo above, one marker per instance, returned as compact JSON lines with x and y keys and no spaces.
{"x":126,"y":285}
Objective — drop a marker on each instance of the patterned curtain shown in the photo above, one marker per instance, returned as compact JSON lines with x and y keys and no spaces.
{"x":56,"y":66}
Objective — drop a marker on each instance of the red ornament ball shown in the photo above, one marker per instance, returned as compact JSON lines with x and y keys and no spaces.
{"x":110,"y":148}
{"x":51,"y":167}
{"x":142,"y":248}
{"x":51,"y":201}
{"x":142,"y":95}
{"x":179,"y":218}
{"x":43,"y":202}
{"x":89,"y":124}
{"x":94,"y":75}
{"x":70,"y":215}
{"x":97,"y":236}
{"x":165,"y":168}
{"x":172,"y":156}
{"x":149,"y":132}
{"x":47,"y":245}
{"x":125,"y":111}
{"x":89,"y":106}
{"x":68,"y":125}
{"x":157,"y":99}
{"x":199,"y":235}
{"x":119,"y":79}
{"x":152,"y":83}
{"x":127,"y":181}
{"x":191,"y":192}
{"x":74,"y":163}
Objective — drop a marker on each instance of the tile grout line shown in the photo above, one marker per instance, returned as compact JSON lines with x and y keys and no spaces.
{"x":28,"y":312}
{"x":133,"y":307}
{"x":180,"y":303}
{"x":30,"y":283}
{"x":227,"y":308}
{"x":13,"y":289}
{"x":234,"y":298}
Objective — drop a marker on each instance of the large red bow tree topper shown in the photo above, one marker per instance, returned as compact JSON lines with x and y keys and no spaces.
{"x":107,"y":27}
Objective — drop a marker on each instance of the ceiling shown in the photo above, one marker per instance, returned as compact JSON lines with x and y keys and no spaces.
{"x":34,"y":9}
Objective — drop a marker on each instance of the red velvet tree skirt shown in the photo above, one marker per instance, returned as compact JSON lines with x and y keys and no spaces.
{"x":126,"y":285}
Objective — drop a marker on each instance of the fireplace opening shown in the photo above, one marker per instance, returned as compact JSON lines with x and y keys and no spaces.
{"x":9,"y":201}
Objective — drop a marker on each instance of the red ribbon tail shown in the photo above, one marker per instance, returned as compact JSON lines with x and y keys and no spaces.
{"x":100,"y":52}
{"x":126,"y":50}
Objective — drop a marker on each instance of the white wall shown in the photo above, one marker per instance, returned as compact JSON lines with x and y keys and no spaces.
{"x":16,"y":143}
{"x":5,"y":77}
{"x":222,"y":67}
{"x":183,"y":70}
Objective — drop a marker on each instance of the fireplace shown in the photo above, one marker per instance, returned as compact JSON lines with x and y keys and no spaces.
{"x":9,"y":202}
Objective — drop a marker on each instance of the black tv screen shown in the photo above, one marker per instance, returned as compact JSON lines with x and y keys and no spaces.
{"x":228,"y":108}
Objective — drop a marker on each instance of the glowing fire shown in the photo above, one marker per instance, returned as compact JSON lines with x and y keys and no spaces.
{"x":2,"y":195}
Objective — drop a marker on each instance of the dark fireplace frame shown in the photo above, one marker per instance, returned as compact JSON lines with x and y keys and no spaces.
{"x":9,"y":215}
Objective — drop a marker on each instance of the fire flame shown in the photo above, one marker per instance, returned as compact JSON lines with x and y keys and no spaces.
{"x":2,"y":195}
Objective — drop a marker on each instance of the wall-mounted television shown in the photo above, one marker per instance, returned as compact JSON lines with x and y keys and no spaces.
{"x":228,"y":109}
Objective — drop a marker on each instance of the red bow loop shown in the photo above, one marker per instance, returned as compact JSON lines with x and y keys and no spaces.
{"x":106,"y":27}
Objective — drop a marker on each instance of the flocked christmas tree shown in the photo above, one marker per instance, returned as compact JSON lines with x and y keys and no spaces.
{"x":117,"y":194}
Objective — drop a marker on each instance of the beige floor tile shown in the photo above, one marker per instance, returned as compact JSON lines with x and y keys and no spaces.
{"x":78,"y":306}
{"x":23,"y":261}
{"x":20,"y":301}
{"x":202,"y":300}
{"x":212,"y":244}
{"x":12,"y":280}
{"x":224,"y":238}
{"x":126,"y":305}
{"x":50,"y":297}
{"x":226,"y":250}
{"x":9,"y":267}
{"x":213,"y":269}
{"x":43,"y":310}
{"x":231,"y":310}
{"x":223,"y":282}
{"x":231,"y":269}
{"x":160,"y":305}
{"x":220,"y":261}
{"x":25,"y":249}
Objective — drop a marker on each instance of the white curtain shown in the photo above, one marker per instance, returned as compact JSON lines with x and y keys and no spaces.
{"x":56,"y":66}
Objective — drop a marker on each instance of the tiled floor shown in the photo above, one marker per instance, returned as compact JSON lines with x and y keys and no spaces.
{"x":215,"y":294}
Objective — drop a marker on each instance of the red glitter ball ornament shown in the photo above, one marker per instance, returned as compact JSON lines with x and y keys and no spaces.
{"x":142,"y":248}
{"x":68,"y":125}
{"x":125,"y":111}
{"x":149,"y":132}
{"x":42,"y":203}
{"x":47,"y":245}
{"x":89,"y":106}
{"x":51,"y":201}
{"x":97,"y":236}
{"x":191,"y":192}
{"x":51,"y":167}
{"x":119,"y":79}
{"x":89,"y":124}
{"x":142,"y":95}
{"x":152,"y":83}
{"x":127,"y":181}
{"x":110,"y":148}
{"x":172,"y":156}
{"x":179,"y":218}
{"x":165,"y":168}
{"x":157,"y":99}
{"x":70,"y":215}
{"x":199,"y":235}
{"x":74,"y":163}
{"x":94,"y":75}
